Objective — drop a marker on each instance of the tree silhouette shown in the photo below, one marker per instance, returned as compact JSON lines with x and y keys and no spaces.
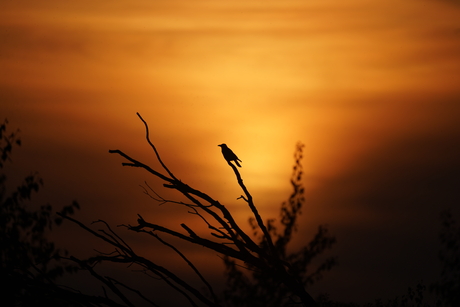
{"x":29,"y":262}
{"x":266,"y":255}
{"x":448,"y":287}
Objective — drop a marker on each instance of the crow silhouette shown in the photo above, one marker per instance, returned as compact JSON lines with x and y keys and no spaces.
{"x":229,"y":155}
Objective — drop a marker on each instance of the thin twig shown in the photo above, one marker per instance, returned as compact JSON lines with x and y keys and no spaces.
{"x":189,"y":264}
{"x":154,"y":148}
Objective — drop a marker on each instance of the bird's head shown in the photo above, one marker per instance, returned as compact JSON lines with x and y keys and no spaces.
{"x":222,"y":145}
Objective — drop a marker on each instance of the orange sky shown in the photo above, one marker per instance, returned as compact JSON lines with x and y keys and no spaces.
{"x":371,"y":88}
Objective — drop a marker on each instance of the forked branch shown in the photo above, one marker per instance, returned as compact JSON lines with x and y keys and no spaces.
{"x":225,"y":237}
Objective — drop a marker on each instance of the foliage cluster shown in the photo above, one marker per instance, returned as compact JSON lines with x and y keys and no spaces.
{"x":29,"y":262}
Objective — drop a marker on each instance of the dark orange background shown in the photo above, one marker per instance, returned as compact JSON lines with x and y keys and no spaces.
{"x":371,"y":88}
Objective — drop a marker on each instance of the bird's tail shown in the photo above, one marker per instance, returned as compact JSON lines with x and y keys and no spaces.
{"x":236,"y":162}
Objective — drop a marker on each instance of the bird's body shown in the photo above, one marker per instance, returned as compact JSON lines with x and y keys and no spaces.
{"x":229,"y":155}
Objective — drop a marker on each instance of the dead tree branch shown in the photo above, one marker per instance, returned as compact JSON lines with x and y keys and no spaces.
{"x":227,"y":237}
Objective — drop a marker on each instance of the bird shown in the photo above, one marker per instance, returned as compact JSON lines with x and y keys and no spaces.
{"x":229,"y":155}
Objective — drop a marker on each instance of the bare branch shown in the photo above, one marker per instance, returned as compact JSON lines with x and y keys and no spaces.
{"x":254,"y":210}
{"x":104,"y":280}
{"x":218,"y":247}
{"x":190,"y":264}
{"x":161,"y":199}
{"x":154,"y":148}
{"x":112,"y":234}
{"x":132,"y":290}
{"x":135,"y":163}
